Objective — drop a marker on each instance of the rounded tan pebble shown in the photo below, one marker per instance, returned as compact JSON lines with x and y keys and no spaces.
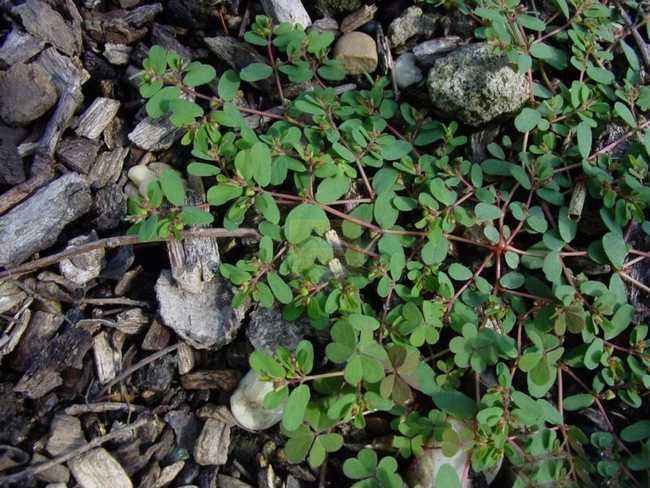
{"x":358,"y":53}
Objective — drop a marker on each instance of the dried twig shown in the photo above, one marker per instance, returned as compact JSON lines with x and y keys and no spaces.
{"x":98,"y":441}
{"x":101,"y":408}
{"x":113,"y":301}
{"x":118,"y":241}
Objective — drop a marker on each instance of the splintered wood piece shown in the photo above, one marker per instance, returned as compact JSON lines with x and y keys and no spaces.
{"x":131,"y":321}
{"x":225,"y":380}
{"x":125,"y":281}
{"x":65,"y":110}
{"x":104,"y":358}
{"x":78,"y":153}
{"x":156,"y":338}
{"x":168,"y":474}
{"x":154,"y":135}
{"x":108,"y":167}
{"x":98,"y":469}
{"x":65,"y":435}
{"x":194,"y":261}
{"x":65,"y":73}
{"x":42,"y":328}
{"x":64,"y":351}
{"x":97,"y":117}
{"x":359,"y":17}
{"x":212,"y":445}
{"x":218,"y":412}
{"x":186,"y":360}
{"x":43,"y":175}
{"x":45,"y":23}
{"x":19,"y":329}
{"x":36,"y":223}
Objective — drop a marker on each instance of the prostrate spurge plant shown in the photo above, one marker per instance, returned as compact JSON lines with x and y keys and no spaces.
{"x":506,"y":277}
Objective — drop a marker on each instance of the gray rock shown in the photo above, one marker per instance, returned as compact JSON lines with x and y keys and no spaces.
{"x":427,"y":52}
{"x":36,"y":223}
{"x":325,"y":24}
{"x":424,"y":469}
{"x":358,"y":53}
{"x":476,"y":85}
{"x":267,"y":330}
{"x":406,"y":71}
{"x":246,"y":403}
{"x":410,"y":24}
{"x":19,"y":47}
{"x":203,"y":319}
{"x":26,"y":93}
{"x":291,"y":11}
{"x":45,"y":23}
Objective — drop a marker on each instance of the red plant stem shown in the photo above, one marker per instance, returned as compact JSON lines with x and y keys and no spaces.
{"x":468,"y":282}
{"x":278,"y":84}
{"x":521,"y":224}
{"x":118,"y":241}
{"x":367,"y":252}
{"x":400,"y":136}
{"x":607,"y":148}
{"x":588,"y":390}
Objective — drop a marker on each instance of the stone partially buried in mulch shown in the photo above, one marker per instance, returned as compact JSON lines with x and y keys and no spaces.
{"x":358,"y":53}
{"x":203,"y":319}
{"x":406,"y":71}
{"x":267,"y":330}
{"x":476,"y":85}
{"x":26,"y":93}
{"x":291,"y":11}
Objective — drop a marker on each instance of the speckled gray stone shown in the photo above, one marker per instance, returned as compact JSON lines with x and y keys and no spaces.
{"x":476,"y":85}
{"x":413,"y":22}
{"x":267,"y":330}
